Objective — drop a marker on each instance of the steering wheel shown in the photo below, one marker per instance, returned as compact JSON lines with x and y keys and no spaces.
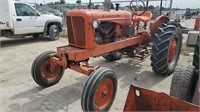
{"x":136,"y":9}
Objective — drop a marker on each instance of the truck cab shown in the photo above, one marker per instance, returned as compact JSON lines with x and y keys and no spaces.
{"x":20,"y":19}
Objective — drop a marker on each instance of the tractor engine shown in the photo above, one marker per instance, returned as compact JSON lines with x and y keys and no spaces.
{"x":110,"y":32}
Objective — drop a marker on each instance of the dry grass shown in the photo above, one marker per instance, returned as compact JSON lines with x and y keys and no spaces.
{"x":187,"y":50}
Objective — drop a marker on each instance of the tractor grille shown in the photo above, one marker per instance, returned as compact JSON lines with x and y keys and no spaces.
{"x":77,"y":35}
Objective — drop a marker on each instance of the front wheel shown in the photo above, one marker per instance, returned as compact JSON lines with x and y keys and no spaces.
{"x":99,"y":91}
{"x":54,"y":32}
{"x":166,"y":48}
{"x":41,"y":72}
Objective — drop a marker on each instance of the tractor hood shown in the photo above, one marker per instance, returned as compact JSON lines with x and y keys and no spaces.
{"x":120,"y":17}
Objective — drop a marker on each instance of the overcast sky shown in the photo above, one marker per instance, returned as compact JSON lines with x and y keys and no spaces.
{"x":176,"y":3}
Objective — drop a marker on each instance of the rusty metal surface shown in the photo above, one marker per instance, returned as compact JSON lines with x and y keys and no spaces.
{"x":79,"y":30}
{"x":197,"y":24}
{"x":140,"y":99}
{"x":77,"y":54}
{"x":70,"y":30}
{"x":157,"y":23}
{"x":76,"y":30}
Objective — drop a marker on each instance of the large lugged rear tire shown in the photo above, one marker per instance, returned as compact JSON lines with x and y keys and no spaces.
{"x":166,"y":48}
{"x":41,"y":70}
{"x":113,"y":56}
{"x":99,"y":91}
{"x":182,"y":82}
{"x":196,"y":55}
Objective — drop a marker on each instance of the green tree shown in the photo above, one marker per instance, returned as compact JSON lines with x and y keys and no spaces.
{"x":78,"y":1}
{"x":151,"y":7}
{"x":57,"y":2}
{"x":62,"y":2}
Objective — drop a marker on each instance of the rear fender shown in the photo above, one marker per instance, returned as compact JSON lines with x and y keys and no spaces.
{"x":157,"y":23}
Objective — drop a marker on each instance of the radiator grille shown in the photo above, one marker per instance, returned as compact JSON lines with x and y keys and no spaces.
{"x":76,"y":35}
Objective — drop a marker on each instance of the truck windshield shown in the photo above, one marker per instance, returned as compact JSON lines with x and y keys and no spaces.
{"x":24,"y":10}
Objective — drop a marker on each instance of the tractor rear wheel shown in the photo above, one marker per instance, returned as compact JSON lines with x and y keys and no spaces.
{"x":182,"y":83}
{"x":113,"y":56}
{"x":41,"y":72}
{"x":99,"y":91}
{"x":196,"y":55}
{"x":166,"y":48}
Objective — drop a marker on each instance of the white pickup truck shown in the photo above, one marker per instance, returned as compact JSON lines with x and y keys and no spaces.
{"x":20,"y":19}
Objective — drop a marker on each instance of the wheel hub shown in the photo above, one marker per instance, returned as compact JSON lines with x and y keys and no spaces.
{"x":104,"y":94}
{"x":172,"y":49}
{"x":47,"y":73}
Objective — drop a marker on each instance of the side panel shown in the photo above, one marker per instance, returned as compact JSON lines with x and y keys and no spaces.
{"x":140,"y":99}
{"x":5,"y":19}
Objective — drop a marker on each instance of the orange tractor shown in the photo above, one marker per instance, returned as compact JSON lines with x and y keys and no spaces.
{"x":111,"y":34}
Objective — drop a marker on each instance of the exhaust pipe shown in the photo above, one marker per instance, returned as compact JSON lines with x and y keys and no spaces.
{"x":107,"y":5}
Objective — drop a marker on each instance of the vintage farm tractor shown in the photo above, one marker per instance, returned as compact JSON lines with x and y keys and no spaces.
{"x":108,"y":33}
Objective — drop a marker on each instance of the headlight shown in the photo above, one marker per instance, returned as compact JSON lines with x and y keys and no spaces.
{"x":95,"y":24}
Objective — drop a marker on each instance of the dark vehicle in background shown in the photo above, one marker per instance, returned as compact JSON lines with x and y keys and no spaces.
{"x":188,"y":14}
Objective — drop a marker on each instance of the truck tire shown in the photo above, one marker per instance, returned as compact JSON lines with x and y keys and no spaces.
{"x":99,"y":91}
{"x":113,"y":56}
{"x":182,"y":83}
{"x":54,"y":32}
{"x":41,"y":70}
{"x":166,"y":48}
{"x":196,"y":55}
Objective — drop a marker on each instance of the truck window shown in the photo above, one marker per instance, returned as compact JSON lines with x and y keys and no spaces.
{"x":24,"y":10}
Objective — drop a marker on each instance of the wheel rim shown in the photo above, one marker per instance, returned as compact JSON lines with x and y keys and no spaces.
{"x":172,"y":49}
{"x":47,"y":74}
{"x":55,"y":31}
{"x":104,"y":94}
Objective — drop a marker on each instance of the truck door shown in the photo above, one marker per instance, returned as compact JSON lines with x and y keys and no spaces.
{"x":27,"y":20}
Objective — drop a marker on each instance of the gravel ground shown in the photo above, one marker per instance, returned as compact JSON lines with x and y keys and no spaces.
{"x":19,"y":93}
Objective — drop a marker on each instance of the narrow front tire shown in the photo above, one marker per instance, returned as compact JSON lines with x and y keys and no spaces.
{"x":41,"y":72}
{"x":99,"y":91}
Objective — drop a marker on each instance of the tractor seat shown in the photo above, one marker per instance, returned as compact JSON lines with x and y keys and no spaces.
{"x":144,"y":18}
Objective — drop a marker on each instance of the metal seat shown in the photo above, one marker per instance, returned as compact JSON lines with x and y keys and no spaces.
{"x":144,"y":18}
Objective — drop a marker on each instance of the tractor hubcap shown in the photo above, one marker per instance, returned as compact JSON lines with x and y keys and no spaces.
{"x":172,"y":49}
{"x":49,"y":74}
{"x":104,"y":94}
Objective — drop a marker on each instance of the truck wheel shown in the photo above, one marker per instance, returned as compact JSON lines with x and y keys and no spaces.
{"x":41,"y":70}
{"x":196,"y":55}
{"x":182,"y":82}
{"x":113,"y":56}
{"x":99,"y":91}
{"x":166,"y":48}
{"x":54,"y":32}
